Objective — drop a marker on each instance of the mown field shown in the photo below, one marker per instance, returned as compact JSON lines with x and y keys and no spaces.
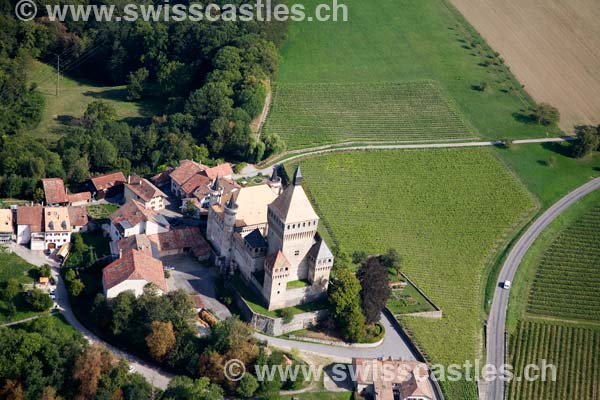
{"x":405,"y":41}
{"x":74,"y":96}
{"x":309,"y":114}
{"x":13,"y":267}
{"x":445,"y":211}
{"x":554,"y":311}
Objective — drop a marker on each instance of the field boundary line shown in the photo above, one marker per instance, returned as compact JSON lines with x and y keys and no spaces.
{"x":583,"y":323}
{"x":251,"y":170}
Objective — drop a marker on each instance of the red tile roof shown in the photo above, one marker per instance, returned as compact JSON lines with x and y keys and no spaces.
{"x":222,"y":170}
{"x":227,"y":184}
{"x":185,"y":170}
{"x":179,"y":239}
{"x":103,"y":182}
{"x":32,"y":216}
{"x":133,"y":212}
{"x":275,"y":263}
{"x":54,"y":190}
{"x":143,"y":188}
{"x":78,"y":216}
{"x":79,"y":197}
{"x":138,"y":242}
{"x":197,"y":181}
{"x":134,"y":265}
{"x":162,"y":177}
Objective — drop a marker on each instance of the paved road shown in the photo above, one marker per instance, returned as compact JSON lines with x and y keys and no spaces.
{"x":195,"y":278}
{"x":251,"y":170}
{"x":496,"y":346}
{"x":393,"y":345}
{"x":152,"y":374}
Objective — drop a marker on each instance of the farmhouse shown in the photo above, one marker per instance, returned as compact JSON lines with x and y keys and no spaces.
{"x":79,"y":218}
{"x":270,"y":238}
{"x":43,"y":228}
{"x":57,"y":227}
{"x":145,"y":192}
{"x":133,"y":272}
{"x":133,"y":218}
{"x":107,"y":186}
{"x":55,"y":192}
{"x":56,"y":195}
{"x":388,"y":379}
{"x":79,"y":199}
{"x":30,"y":228}
{"x":6,"y":225}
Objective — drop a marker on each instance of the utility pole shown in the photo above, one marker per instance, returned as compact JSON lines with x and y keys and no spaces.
{"x":58,"y":76}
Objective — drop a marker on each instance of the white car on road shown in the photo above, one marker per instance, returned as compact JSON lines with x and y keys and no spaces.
{"x":506,"y":285}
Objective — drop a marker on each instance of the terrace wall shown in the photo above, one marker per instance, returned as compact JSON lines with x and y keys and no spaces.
{"x":272,"y":325}
{"x":302,"y":295}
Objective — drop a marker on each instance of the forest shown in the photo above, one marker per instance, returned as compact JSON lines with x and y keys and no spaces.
{"x":208,"y":79}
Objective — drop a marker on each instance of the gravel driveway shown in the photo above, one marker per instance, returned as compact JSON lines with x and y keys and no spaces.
{"x":195,"y":278}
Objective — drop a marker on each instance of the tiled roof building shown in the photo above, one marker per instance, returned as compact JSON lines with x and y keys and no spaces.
{"x":132,"y":272}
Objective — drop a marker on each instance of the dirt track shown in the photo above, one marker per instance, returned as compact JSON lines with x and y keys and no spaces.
{"x":552,"y":46}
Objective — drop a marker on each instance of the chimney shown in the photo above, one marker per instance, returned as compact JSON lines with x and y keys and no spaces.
{"x":128,"y":179}
{"x":120,"y":253}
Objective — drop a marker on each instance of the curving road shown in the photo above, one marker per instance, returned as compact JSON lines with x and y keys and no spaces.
{"x":393,"y":345}
{"x":496,"y":345}
{"x":153,"y":375}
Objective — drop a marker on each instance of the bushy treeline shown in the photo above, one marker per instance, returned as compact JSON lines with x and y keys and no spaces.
{"x":209,"y":79}
{"x":20,"y":105}
{"x":45,"y":360}
{"x":164,"y":328}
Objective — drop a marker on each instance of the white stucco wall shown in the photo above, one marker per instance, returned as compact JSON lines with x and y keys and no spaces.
{"x":23,"y":234}
{"x":136,"y":286}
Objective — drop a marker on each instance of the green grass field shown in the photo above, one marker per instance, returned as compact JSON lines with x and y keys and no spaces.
{"x":553,"y":313}
{"x":60,"y":111}
{"x":548,"y":170}
{"x":13,"y":267}
{"x":403,"y":41}
{"x":445,"y":211}
{"x":407,"y":301}
{"x":309,"y":114}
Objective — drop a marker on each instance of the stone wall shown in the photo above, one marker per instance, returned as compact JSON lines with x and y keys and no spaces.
{"x":272,"y":325}
{"x":338,"y":343}
{"x":303,"y":295}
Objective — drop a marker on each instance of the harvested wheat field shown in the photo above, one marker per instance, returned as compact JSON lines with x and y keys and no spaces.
{"x":552,"y":46}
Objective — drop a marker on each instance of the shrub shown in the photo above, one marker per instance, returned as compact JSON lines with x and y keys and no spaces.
{"x":38,"y":300}
{"x":287,"y":315}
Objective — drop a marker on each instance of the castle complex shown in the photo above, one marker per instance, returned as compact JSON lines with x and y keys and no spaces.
{"x":268,"y":235}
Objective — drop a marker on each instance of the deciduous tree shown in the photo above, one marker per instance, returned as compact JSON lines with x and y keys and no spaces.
{"x":375,"y":292}
{"x":161,"y":339}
